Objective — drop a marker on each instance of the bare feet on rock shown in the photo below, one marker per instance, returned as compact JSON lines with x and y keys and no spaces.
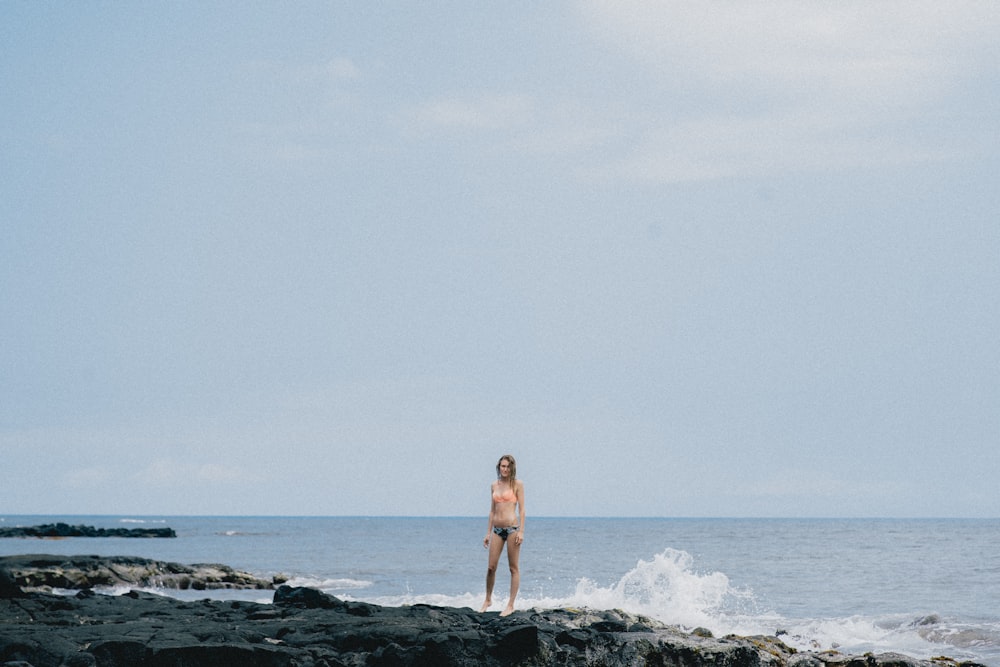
{"x":486,"y":605}
{"x":507,"y":612}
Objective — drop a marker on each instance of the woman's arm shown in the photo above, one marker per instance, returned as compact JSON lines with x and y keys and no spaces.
{"x":489,"y":520}
{"x":520,"y":506}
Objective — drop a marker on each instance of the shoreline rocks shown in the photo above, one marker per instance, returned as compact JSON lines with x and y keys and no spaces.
{"x":305,"y":627}
{"x":42,"y":573}
{"x":58,"y":530}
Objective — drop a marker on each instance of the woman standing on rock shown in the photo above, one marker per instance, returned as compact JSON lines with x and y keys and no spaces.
{"x":505,"y":527}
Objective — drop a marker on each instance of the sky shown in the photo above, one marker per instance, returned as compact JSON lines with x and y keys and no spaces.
{"x":328,"y":258}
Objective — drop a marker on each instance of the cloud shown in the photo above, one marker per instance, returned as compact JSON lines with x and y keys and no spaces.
{"x":333,"y":72}
{"x":906,"y":47}
{"x":731,"y":146}
{"x":88,"y":478}
{"x":481,"y":111}
{"x":514,"y":125}
{"x":723,"y":89}
{"x":219,"y":473}
{"x":295,"y":114}
{"x":340,"y":69}
{"x":169,"y":472}
{"x":751,"y":89}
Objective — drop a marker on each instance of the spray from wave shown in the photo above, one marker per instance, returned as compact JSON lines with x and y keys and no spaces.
{"x":333,"y":586}
{"x":668,"y":588}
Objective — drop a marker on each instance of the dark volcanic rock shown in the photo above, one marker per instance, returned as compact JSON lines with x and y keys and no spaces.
{"x":66,"y":530}
{"x":38,"y":572}
{"x":308,"y":628}
{"x":9,"y":587}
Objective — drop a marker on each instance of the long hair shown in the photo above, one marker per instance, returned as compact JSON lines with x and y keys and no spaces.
{"x":513,"y":470}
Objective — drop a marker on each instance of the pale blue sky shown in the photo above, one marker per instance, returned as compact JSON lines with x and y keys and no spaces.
{"x":681,"y":259}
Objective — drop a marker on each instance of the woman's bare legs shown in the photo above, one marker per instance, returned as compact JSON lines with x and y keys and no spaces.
{"x":513,"y":558}
{"x":496,"y":546}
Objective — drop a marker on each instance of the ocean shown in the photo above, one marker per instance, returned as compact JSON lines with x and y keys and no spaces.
{"x":923,"y":587}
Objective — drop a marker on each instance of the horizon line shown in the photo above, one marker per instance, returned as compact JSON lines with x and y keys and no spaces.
{"x":122,"y":516}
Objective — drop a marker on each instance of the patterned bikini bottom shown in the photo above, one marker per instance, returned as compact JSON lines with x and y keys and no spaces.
{"x":504,"y":533}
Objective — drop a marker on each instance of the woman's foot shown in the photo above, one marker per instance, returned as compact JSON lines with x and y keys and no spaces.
{"x":486,"y":605}
{"x":507,"y":612}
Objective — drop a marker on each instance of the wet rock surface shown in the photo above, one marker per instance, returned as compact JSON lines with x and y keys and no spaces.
{"x":307,"y":628}
{"x":41,"y":572}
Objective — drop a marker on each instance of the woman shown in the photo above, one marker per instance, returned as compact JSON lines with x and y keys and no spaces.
{"x":505,"y":527}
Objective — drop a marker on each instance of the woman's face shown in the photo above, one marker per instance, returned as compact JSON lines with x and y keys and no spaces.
{"x":504,"y":468}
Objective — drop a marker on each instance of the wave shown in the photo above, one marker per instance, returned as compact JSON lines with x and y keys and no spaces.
{"x":669,"y":589}
{"x":332,"y":586}
{"x":665,"y":588}
{"x":963,"y":635}
{"x":899,"y":633}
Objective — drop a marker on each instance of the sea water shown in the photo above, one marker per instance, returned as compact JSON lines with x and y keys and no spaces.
{"x":924,"y":587}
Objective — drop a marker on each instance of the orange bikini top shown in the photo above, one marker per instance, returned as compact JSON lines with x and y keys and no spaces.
{"x":507,"y":496}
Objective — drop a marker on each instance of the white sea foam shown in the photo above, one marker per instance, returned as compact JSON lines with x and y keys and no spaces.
{"x":669,"y":589}
{"x":666,"y":588}
{"x":470,"y":600}
{"x":813,"y":582}
{"x":332,"y":586}
{"x":862,"y":634}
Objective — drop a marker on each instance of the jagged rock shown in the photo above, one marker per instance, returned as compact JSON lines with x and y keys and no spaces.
{"x":40,"y":572}
{"x":66,"y":530}
{"x":308,"y":628}
{"x":9,"y":587}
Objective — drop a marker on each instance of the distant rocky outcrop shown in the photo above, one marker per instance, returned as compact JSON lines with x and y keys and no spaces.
{"x":37,"y":572}
{"x":51,"y":530}
{"x":308,"y":628}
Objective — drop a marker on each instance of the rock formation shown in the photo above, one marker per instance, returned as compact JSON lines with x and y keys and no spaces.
{"x":51,"y":530}
{"x":37,"y":572}
{"x":307,"y":628}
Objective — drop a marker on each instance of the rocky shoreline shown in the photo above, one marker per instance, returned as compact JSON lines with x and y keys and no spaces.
{"x":58,"y":530}
{"x":307,"y":628}
{"x":43,"y":573}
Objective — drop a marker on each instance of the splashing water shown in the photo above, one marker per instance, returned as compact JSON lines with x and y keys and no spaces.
{"x":811,"y":582}
{"x":668,"y":589}
{"x":665,"y":588}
